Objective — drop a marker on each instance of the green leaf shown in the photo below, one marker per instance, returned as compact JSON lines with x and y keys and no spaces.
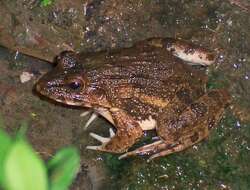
{"x":63,"y":168}
{"x":24,"y":170}
{"x":45,"y":3}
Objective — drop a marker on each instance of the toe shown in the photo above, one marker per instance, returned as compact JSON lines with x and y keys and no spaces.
{"x":90,"y":120}
{"x":111,"y":132}
{"x":93,"y":147}
{"x":99,"y":138}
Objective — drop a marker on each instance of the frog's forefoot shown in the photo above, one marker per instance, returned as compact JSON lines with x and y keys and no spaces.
{"x":85,"y":113}
{"x":103,"y":140}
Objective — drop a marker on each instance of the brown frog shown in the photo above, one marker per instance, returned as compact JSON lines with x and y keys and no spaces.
{"x":144,"y":87}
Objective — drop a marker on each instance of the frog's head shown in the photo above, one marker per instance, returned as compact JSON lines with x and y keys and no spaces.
{"x":67,"y":83}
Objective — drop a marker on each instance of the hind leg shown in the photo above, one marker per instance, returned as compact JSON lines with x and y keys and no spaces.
{"x":183,"y":130}
{"x":193,"y":124}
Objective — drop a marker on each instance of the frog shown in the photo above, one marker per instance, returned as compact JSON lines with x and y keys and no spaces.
{"x":157,"y":84}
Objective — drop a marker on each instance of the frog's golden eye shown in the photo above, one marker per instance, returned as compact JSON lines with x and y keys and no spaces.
{"x":76,"y":84}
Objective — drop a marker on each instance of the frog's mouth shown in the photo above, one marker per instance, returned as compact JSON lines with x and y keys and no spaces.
{"x":62,"y":96}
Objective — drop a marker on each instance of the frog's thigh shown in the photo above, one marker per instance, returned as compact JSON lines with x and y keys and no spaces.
{"x":192,"y":54}
{"x":193,"y":124}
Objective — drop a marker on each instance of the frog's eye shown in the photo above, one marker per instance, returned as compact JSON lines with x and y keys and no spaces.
{"x":75,"y":84}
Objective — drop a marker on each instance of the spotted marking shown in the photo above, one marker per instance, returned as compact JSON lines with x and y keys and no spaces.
{"x":200,"y":109}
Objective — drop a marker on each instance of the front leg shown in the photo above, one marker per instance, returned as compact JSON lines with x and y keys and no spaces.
{"x":128,"y":132}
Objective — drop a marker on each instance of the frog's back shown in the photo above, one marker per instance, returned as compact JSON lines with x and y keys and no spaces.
{"x":143,"y":67}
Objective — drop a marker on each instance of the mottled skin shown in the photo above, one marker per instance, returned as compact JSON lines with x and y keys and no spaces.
{"x":140,"y":88}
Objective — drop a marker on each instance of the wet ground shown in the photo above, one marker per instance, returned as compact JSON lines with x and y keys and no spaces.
{"x":220,"y":162}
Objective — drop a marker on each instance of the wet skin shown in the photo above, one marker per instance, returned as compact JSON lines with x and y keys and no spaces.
{"x":145,"y":87}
